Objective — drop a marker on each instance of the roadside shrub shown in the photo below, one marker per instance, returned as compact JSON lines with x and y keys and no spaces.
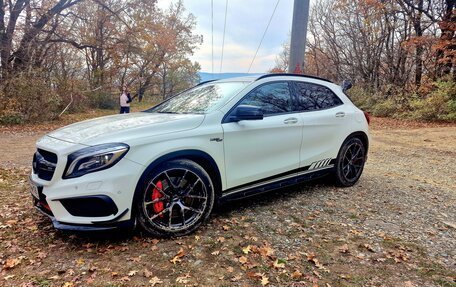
{"x":103,"y":100}
{"x":28,"y":97}
{"x":10,"y":118}
{"x":434,"y":101}
{"x":363,"y":98}
{"x":70,"y":92}
{"x":439,"y":104}
{"x":386,"y":108}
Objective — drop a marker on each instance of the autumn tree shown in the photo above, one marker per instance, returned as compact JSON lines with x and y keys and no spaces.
{"x":23,"y":40}
{"x":84,"y":50}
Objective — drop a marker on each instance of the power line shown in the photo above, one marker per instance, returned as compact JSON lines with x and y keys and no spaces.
{"x":212,"y":27}
{"x":264,"y":34}
{"x":223,"y":41}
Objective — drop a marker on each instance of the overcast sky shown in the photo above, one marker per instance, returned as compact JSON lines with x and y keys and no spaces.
{"x":246,"y":22}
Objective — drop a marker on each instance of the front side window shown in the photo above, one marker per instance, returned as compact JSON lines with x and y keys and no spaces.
{"x":312,"y":97}
{"x":272,"y":98}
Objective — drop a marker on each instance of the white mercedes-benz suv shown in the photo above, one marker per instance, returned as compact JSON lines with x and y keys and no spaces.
{"x":166,"y":167}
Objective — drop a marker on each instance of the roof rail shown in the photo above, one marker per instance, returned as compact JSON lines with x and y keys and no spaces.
{"x":205,"y":82}
{"x":292,"y":75}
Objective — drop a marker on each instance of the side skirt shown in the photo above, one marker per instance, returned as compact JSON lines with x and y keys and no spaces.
{"x":273,"y":184}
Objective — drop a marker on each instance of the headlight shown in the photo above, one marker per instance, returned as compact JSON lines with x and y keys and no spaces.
{"x":94,"y":158}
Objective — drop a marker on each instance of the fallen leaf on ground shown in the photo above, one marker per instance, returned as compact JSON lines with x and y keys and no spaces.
{"x":178,"y":256}
{"x":247,"y":249}
{"x":311,"y":258}
{"x":154,"y":281}
{"x":11,"y":263}
{"x":368,"y":247}
{"x":264,"y":280}
{"x":183,"y":279}
{"x":125,"y":279}
{"x":279,"y":263}
{"x":80,"y":261}
{"x":296,"y":274}
{"x":343,"y":248}
{"x":41,"y":255}
{"x":243,"y":259}
{"x":147,"y":273}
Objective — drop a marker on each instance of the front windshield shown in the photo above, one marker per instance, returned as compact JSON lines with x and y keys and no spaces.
{"x":200,"y":99}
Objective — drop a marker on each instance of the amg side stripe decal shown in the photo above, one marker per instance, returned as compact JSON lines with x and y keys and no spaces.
{"x":315,"y":166}
{"x":275,"y":179}
{"x":320,"y":163}
{"x":327,"y":162}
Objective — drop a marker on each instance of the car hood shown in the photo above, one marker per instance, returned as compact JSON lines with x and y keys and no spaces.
{"x":121,"y":128}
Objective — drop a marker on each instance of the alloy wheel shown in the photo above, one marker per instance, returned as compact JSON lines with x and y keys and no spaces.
{"x":353,"y":161}
{"x":175,"y":199}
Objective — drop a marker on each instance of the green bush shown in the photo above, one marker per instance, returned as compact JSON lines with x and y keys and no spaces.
{"x":439,"y":104}
{"x":434,"y":102}
{"x":11,"y":118}
{"x":28,"y":97}
{"x":385,"y":108}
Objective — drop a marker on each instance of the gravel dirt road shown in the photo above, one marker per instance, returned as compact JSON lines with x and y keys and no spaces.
{"x":396,"y":227}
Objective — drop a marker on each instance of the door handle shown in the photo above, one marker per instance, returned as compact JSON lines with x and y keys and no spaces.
{"x":290,"y":121}
{"x":340,"y":114}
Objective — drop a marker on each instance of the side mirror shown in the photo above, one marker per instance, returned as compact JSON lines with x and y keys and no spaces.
{"x":246,"y":113}
{"x":346,"y":85}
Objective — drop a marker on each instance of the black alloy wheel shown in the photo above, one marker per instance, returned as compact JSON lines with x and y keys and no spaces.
{"x":177,"y":198}
{"x":350,"y":162}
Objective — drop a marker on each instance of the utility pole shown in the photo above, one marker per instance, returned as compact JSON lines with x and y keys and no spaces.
{"x":298,"y":35}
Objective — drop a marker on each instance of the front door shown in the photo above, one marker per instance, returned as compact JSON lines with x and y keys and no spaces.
{"x":260,"y":149}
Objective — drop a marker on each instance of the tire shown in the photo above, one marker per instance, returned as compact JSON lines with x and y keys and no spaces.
{"x":177,"y":197}
{"x":350,"y":162}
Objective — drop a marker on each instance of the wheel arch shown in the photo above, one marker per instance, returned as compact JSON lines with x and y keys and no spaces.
{"x":200,"y":157}
{"x":362,"y":136}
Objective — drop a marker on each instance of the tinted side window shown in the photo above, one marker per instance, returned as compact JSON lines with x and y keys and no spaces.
{"x":273,"y":98}
{"x":311,"y":97}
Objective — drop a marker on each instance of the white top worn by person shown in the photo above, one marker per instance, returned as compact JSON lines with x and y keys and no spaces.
{"x":124,"y":102}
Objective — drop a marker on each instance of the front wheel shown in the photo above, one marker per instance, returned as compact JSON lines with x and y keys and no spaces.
{"x":350,"y":162}
{"x":177,"y":198}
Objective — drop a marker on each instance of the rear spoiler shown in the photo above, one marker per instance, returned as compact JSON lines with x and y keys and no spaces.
{"x":346,"y":85}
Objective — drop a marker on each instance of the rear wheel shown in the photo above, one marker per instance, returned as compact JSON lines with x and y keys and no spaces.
{"x":176,"y":199}
{"x":350,"y":162}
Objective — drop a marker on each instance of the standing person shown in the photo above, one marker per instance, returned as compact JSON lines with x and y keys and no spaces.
{"x":124,"y":101}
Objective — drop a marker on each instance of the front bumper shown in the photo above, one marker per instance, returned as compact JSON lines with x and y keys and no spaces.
{"x":96,"y":201}
{"x":85,"y":227}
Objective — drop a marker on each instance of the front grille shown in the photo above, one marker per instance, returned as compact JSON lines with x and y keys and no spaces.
{"x":44,"y":163}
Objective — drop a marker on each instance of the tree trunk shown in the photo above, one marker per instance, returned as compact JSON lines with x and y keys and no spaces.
{"x":419,"y":47}
{"x":447,"y":43}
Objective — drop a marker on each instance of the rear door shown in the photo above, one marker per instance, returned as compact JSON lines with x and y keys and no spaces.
{"x":323,"y":116}
{"x":258,"y":149}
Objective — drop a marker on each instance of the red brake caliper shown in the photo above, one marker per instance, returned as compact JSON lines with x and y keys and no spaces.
{"x":156,"y":194}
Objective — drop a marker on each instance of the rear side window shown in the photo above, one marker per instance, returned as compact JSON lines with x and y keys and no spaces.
{"x":313,"y":97}
{"x":273,"y":98}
